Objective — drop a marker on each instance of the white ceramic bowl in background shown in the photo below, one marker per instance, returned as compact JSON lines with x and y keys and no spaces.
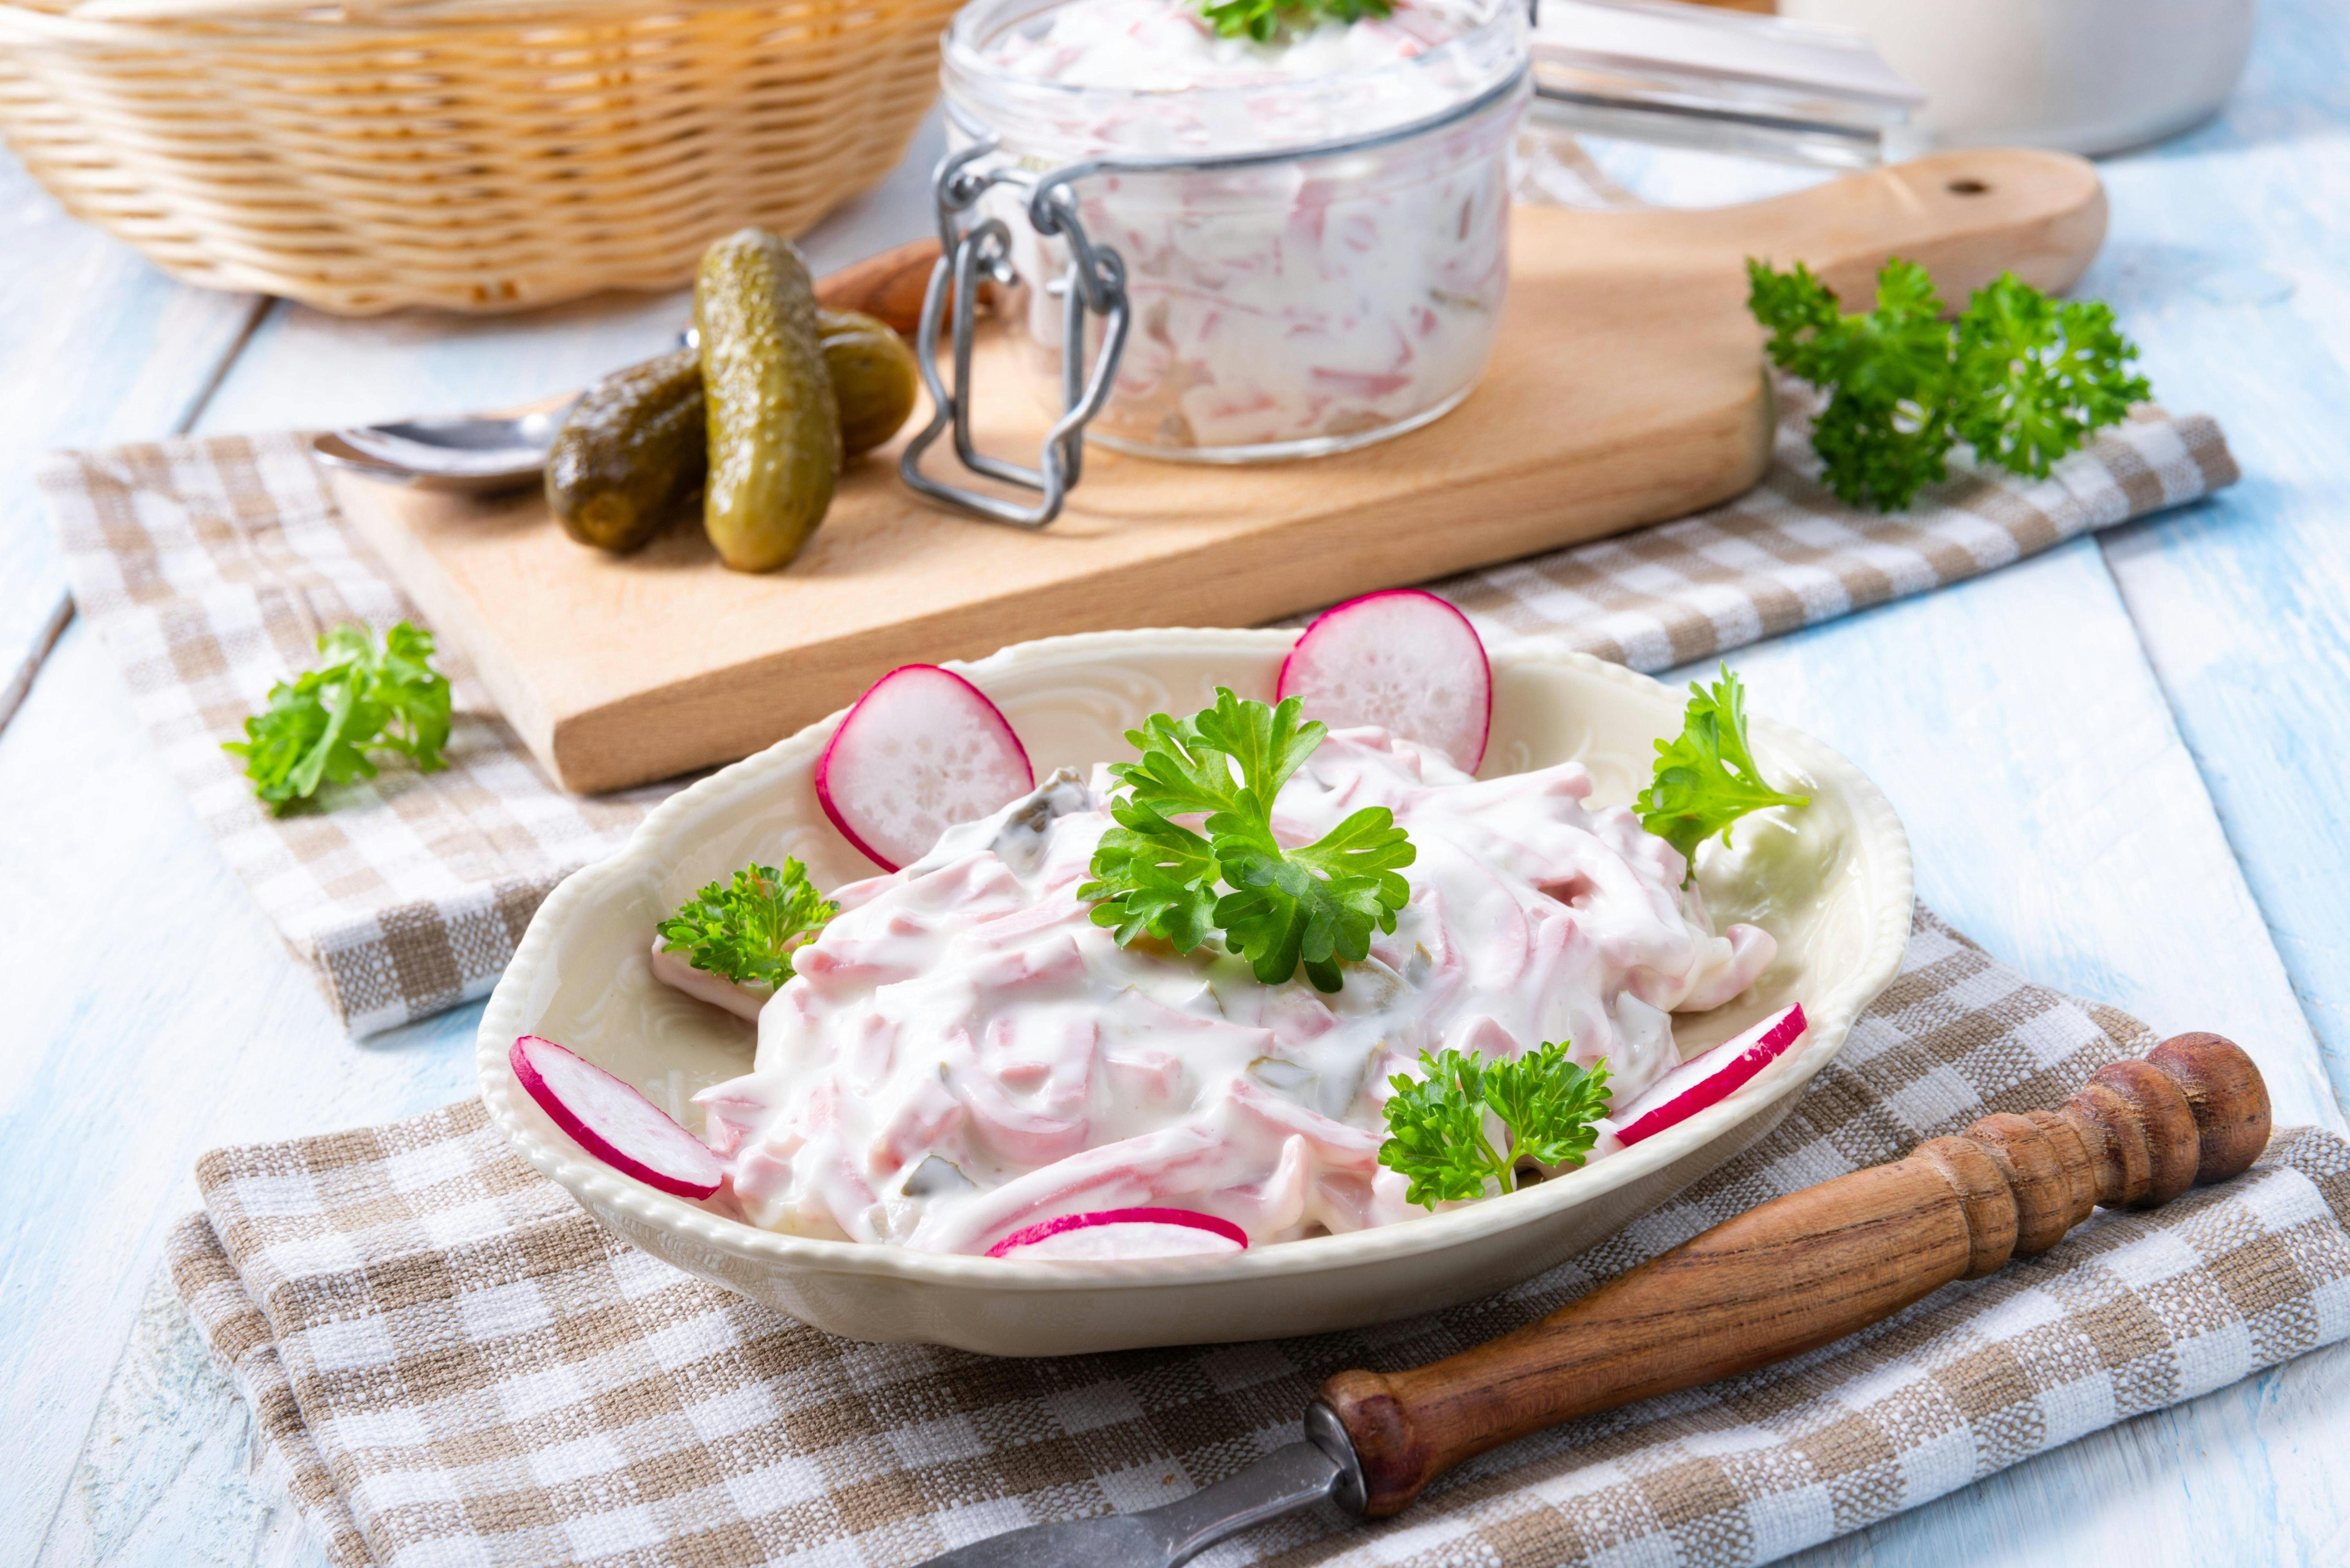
{"x":1832,"y":881}
{"x":2080,"y":76}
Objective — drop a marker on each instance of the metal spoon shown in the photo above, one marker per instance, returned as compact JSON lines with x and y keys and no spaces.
{"x":472,"y":454}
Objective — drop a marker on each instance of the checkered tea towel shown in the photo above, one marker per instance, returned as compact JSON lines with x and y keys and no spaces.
{"x":211,"y":566}
{"x":449,"y":1363}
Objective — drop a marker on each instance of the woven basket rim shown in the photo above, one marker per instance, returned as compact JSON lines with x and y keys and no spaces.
{"x":481,"y":156}
{"x":241,"y":23}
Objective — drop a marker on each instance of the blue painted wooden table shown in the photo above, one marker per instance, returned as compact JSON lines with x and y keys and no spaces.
{"x":2121,"y":764}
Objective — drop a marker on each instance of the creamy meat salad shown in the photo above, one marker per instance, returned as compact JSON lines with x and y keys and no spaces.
{"x":1167,"y":47}
{"x":963,"y":1052}
{"x":1279,"y":305}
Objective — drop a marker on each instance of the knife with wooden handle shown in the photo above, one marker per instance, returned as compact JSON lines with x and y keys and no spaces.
{"x":1779,"y":1280}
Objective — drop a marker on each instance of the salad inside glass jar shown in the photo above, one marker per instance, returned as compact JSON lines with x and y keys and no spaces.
{"x":1310,"y":232}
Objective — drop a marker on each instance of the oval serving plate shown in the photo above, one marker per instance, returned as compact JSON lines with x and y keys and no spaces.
{"x":1832,"y":881}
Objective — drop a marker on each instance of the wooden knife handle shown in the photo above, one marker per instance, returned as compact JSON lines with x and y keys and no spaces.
{"x":1800,"y":1270}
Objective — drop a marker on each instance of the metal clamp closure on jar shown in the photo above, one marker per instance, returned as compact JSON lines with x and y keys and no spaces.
{"x":1094,"y":282}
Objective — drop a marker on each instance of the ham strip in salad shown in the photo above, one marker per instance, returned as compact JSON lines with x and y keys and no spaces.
{"x":962,"y":1053}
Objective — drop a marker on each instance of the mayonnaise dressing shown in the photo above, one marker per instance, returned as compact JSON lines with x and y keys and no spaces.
{"x":1170,"y":47}
{"x":963,"y":1052}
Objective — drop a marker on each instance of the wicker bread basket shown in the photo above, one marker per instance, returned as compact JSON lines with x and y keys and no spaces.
{"x":478,"y":155}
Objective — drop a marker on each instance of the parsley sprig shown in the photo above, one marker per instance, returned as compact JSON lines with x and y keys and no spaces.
{"x":1439,"y":1125}
{"x":1707,"y":778}
{"x":1283,"y":908}
{"x":747,"y":932}
{"x":2019,"y":377}
{"x":364,"y":696}
{"x":1266,"y":20}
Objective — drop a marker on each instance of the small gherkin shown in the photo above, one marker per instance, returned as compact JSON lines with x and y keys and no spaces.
{"x":773,"y":424}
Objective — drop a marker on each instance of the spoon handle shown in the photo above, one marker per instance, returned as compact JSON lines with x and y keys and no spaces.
{"x":1800,"y":1270}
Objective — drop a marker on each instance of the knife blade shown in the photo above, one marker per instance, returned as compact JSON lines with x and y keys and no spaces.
{"x":1295,"y":1476}
{"x":1781,"y":1279}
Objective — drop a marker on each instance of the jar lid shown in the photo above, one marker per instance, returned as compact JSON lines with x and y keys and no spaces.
{"x":1151,"y":81}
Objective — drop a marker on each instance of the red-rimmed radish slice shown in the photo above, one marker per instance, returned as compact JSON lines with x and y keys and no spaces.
{"x":1402,"y":659}
{"x":922,"y":750}
{"x":1709,"y":1079}
{"x":1125,"y":1233}
{"x":613,"y":1122}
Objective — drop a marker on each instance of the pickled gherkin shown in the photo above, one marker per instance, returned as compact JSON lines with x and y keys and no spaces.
{"x":773,"y":427}
{"x":873,"y":377}
{"x":630,"y":450}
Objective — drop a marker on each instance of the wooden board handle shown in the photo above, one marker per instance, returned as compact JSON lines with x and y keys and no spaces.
{"x":888,"y":286}
{"x":1800,"y":1270}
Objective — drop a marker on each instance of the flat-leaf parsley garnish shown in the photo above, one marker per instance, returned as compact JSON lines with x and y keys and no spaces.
{"x":1439,"y":1125}
{"x":746,"y":932}
{"x":1707,"y":777}
{"x":364,"y":696}
{"x":1282,"y":909}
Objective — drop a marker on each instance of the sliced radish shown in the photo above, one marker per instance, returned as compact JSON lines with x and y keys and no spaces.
{"x":1125,"y":1233}
{"x":1709,"y":1079}
{"x":1402,"y":659}
{"x":613,"y":1122}
{"x":922,"y":750}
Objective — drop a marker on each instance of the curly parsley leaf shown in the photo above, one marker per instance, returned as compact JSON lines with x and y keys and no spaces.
{"x":1885,"y":430}
{"x":365,"y":695}
{"x":1266,"y":20}
{"x":1440,"y":1138}
{"x":747,"y":932}
{"x":1549,"y":1103}
{"x":1707,"y":778}
{"x":2038,"y":376}
{"x":2021,"y":377}
{"x":1311,"y":907}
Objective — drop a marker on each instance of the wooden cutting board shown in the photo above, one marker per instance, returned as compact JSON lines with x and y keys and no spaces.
{"x":1628,"y":386}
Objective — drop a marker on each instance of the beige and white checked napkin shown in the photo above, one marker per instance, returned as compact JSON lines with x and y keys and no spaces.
{"x":210,"y":566}
{"x":450,"y":1364}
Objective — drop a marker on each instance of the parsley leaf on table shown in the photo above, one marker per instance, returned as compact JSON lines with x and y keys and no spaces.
{"x":1437,"y":1132}
{"x":1264,"y":20}
{"x":1312,"y":907}
{"x":1707,"y":777}
{"x":365,"y":695}
{"x":2021,"y":377}
{"x":747,"y":932}
{"x":2038,"y":376}
{"x":1885,"y":431}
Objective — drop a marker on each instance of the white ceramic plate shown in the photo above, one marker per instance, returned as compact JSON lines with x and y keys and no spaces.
{"x":1831,"y":881}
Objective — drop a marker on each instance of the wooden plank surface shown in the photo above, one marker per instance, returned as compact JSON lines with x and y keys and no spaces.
{"x":2227,"y":266}
{"x":2015,"y":726}
{"x":196,"y":1028}
{"x":1855,"y":681}
{"x":99,"y":348}
{"x":157,"y":1015}
{"x":1625,"y":386}
{"x":154,"y":1015}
